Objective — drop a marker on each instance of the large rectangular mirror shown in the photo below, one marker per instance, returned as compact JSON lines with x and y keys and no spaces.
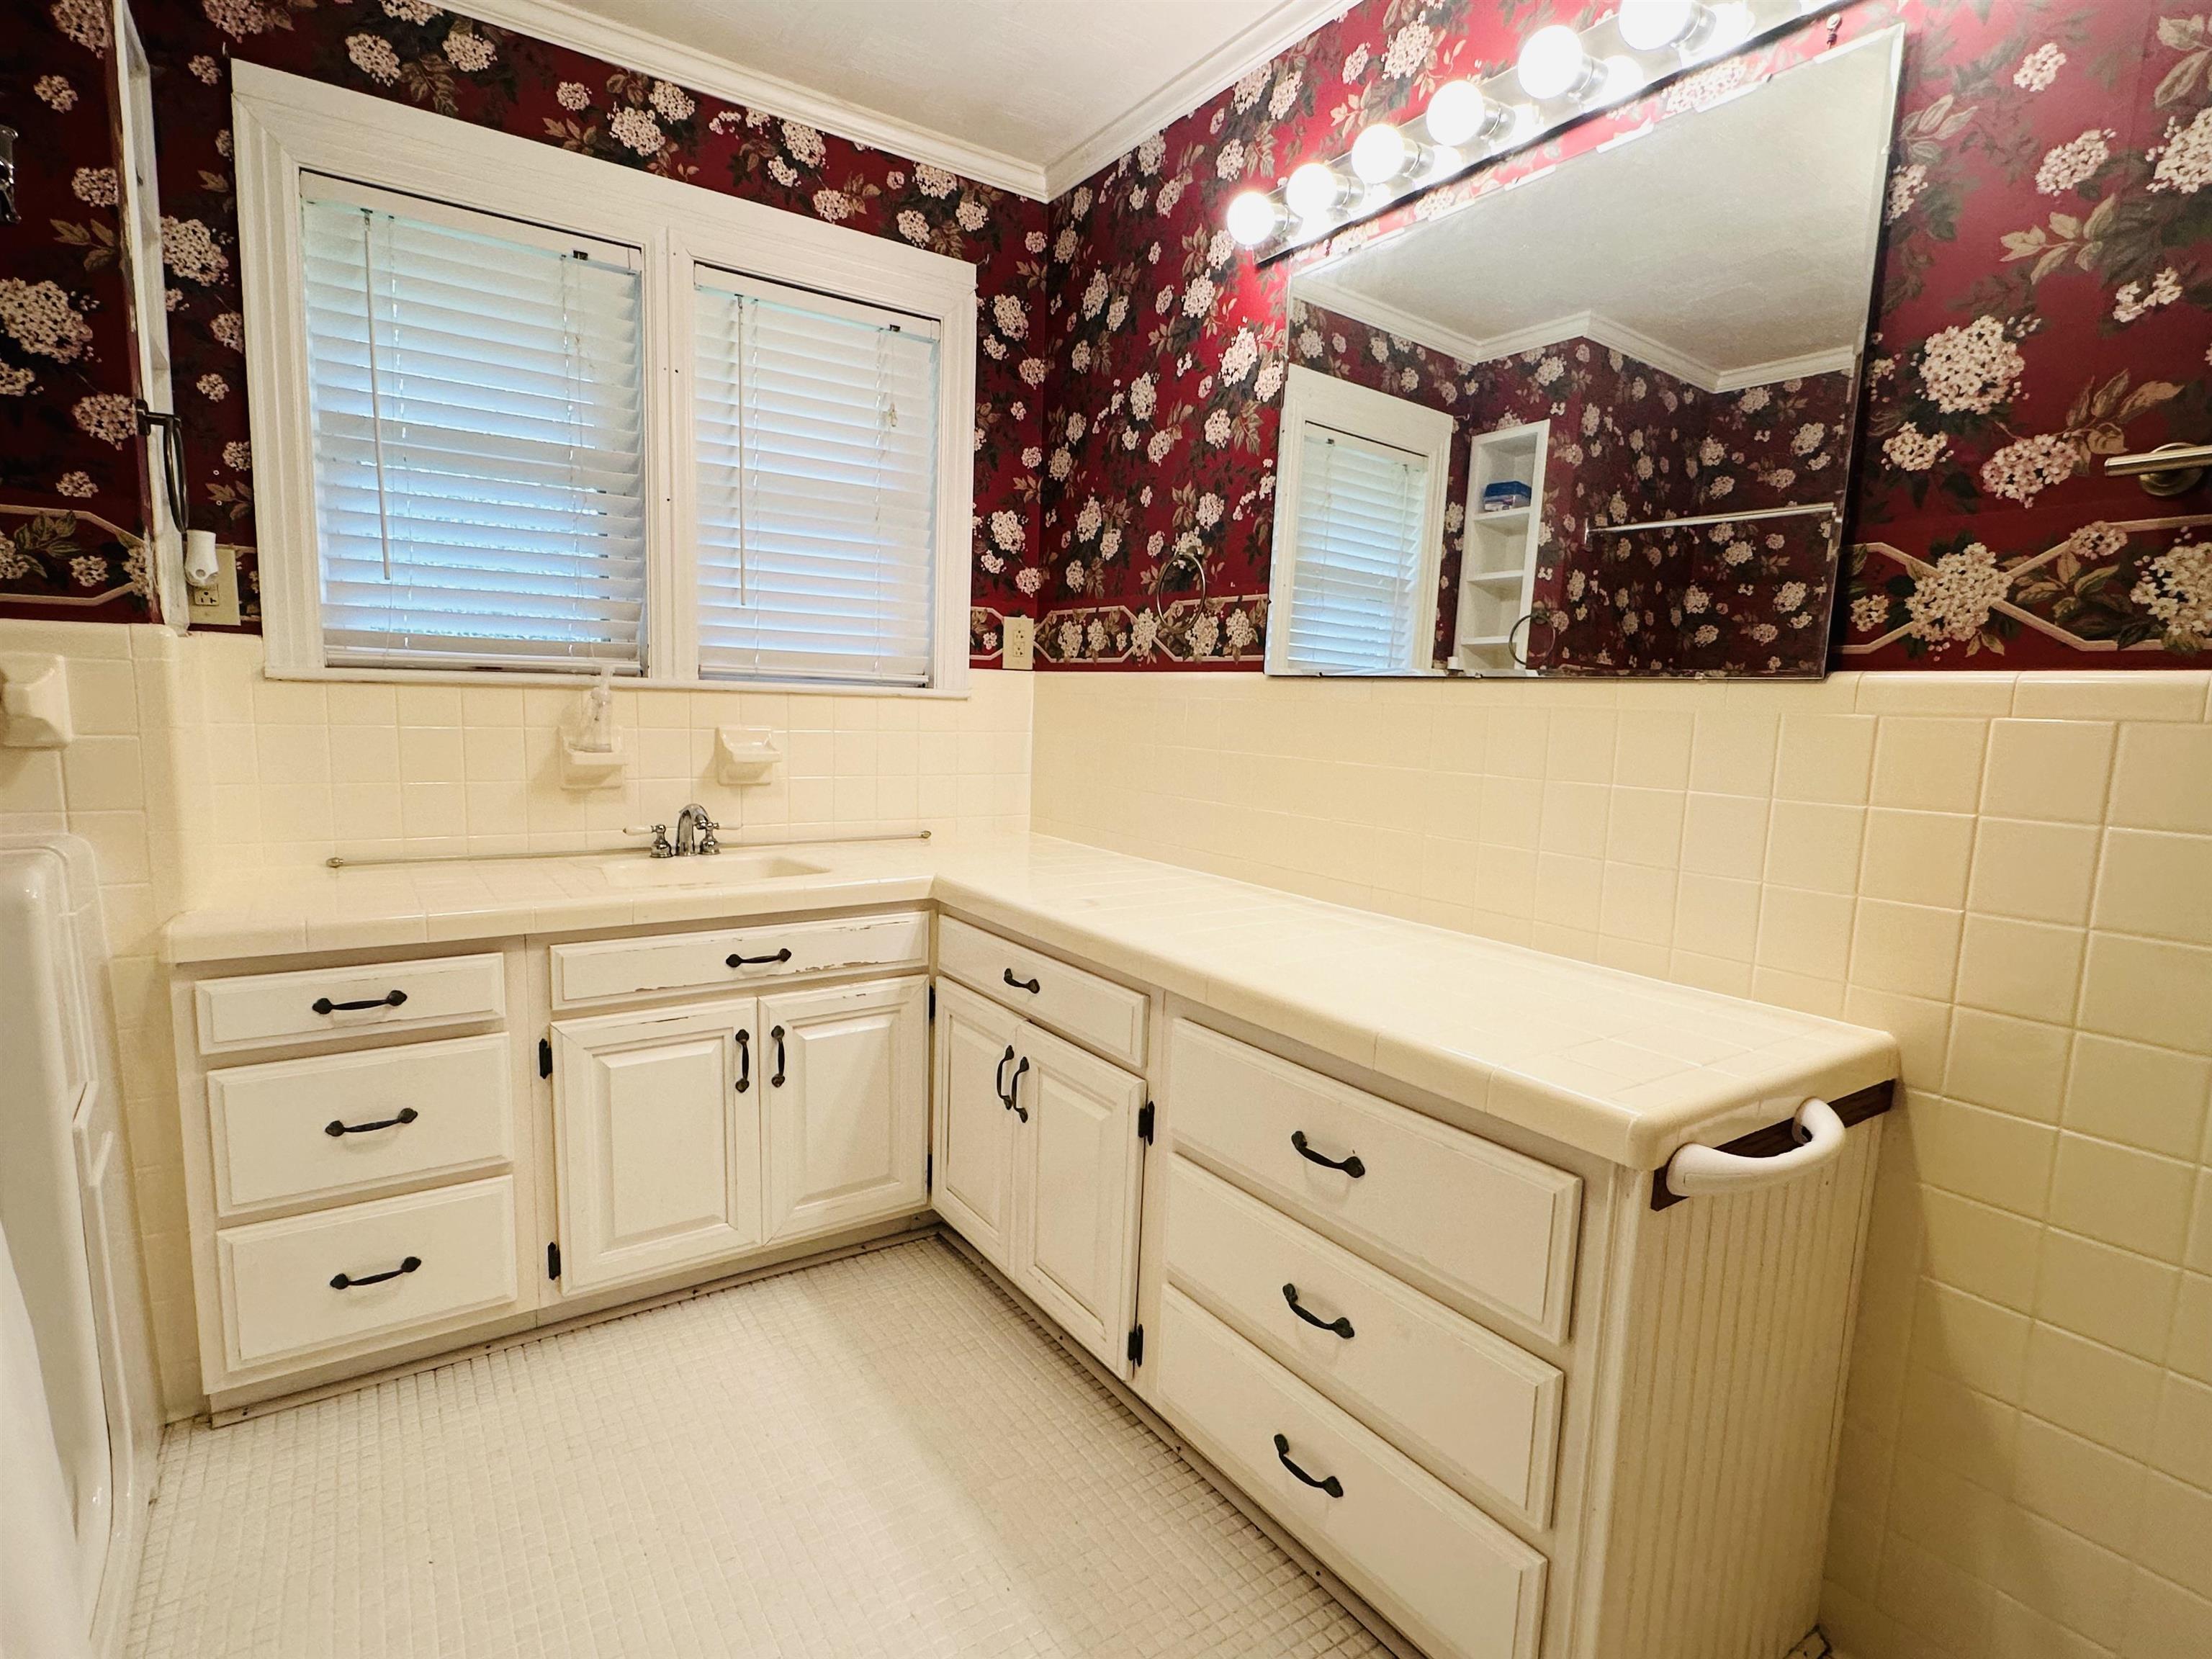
{"x":1600,"y":422}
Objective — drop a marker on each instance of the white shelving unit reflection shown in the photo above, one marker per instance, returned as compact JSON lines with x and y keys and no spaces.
{"x":1498,"y":570}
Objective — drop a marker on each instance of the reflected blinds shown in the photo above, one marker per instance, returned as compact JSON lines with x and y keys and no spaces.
{"x":479,"y":440}
{"x":1358,"y":557}
{"x":817,"y":462}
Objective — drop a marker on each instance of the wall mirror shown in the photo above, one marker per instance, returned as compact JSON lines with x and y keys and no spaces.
{"x":1599,"y":421}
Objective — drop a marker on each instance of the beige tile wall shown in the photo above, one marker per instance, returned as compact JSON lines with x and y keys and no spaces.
{"x":300,"y":769}
{"x":118,"y":786}
{"x":2015,"y":875}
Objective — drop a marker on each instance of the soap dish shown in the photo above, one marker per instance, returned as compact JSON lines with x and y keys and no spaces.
{"x":742,"y":754}
{"x":590,"y":769}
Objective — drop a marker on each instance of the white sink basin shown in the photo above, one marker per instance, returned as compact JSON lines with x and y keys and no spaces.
{"x":720,"y":870}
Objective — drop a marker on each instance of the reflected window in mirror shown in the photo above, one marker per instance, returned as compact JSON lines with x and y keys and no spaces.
{"x":1359,"y":524}
{"x":1650,"y":356}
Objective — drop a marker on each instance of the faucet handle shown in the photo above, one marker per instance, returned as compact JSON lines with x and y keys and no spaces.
{"x":661,"y":848}
{"x":707,"y":841}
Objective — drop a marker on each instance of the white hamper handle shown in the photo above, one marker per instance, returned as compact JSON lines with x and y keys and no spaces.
{"x":1696,"y":1170}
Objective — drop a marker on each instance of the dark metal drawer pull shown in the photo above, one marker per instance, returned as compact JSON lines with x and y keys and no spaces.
{"x":1351,"y":1165}
{"x":335,"y":1127}
{"x":776,"y":1082}
{"x":1028,"y":985}
{"x":342,"y":1282}
{"x":744,"y":1061}
{"x":1329,"y":1484}
{"x":733,"y":960}
{"x":1340,"y":1325}
{"x":389,"y":999}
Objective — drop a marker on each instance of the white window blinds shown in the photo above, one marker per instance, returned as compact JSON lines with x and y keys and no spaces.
{"x":1358,"y":560}
{"x":817,"y":475}
{"x":478,"y":438}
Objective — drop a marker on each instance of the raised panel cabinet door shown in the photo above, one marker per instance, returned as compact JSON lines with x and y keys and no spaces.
{"x":972,"y":1133}
{"x":845,"y":1104}
{"x":656,"y":1124}
{"x":1077,"y":1171}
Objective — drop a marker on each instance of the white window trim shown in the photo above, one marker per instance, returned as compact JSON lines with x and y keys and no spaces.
{"x":1312,"y":399}
{"x":285,"y":125}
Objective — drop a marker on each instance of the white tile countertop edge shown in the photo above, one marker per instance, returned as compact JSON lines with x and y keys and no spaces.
{"x":1625,"y":1067}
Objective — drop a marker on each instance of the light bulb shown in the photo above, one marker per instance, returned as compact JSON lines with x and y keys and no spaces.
{"x":1382,"y":154}
{"x":1732,"y":25}
{"x":1554,"y":64}
{"x":1314,"y":190}
{"x":1459,"y":113}
{"x":1650,"y":25}
{"x":1251,"y":218}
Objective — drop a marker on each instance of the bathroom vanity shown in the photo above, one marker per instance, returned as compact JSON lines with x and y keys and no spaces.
{"x":1376,"y":1217}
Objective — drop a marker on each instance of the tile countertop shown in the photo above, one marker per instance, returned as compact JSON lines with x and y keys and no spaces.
{"x":1622,"y":1067}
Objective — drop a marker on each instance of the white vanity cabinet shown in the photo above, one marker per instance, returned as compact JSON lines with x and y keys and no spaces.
{"x":1039,"y":1143}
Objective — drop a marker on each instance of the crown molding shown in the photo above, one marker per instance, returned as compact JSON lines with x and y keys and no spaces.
{"x":1283,"y":27}
{"x":1590,"y":326}
{"x":632,"y":48}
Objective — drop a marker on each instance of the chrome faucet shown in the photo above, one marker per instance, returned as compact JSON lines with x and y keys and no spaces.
{"x":695,"y":832}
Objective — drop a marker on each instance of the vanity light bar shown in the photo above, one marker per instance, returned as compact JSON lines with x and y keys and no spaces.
{"x":1563,"y":74}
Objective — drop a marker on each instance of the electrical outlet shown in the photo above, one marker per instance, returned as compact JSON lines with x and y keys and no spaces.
{"x":215,"y":605}
{"x":1018,"y":636}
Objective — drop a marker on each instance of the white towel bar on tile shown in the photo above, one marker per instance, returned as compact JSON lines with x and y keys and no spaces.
{"x":1696,"y":1170}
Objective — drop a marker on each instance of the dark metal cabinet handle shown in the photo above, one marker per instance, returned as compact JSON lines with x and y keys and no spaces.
{"x":1329,"y":1484}
{"x":1028,"y":985}
{"x":733,"y":960}
{"x":776,"y":1082}
{"x":342,"y":1282}
{"x":999,"y":1080}
{"x":337,"y":1126}
{"x":744,"y":1061}
{"x":1351,"y":1165}
{"x":1340,"y":1325}
{"x":389,"y":999}
{"x":1010,"y":1095}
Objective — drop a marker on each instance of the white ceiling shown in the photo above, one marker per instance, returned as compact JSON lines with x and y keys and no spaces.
{"x":1726,"y":246}
{"x":1030,"y":94}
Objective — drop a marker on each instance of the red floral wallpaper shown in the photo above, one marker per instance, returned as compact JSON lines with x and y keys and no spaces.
{"x":59,"y":307}
{"x":2046,"y":299}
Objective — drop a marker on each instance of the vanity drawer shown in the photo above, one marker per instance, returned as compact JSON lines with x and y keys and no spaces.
{"x":1465,"y":1402}
{"x":1097,"y":1012}
{"x":256,"y":1009}
{"x":605,"y":969}
{"x":1475,"y":1217}
{"x":1452,"y":1578}
{"x":271,"y":1124}
{"x":276,"y":1277}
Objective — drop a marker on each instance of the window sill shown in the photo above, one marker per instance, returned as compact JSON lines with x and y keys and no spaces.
{"x":492,"y":680}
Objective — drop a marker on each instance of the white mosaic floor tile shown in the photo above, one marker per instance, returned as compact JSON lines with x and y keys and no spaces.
{"x":879,"y":1457}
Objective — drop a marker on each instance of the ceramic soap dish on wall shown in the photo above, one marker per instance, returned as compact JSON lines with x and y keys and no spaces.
{"x":743,"y":755}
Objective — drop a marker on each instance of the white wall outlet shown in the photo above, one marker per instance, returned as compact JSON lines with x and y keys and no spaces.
{"x":215,"y":605}
{"x":1017,"y":641}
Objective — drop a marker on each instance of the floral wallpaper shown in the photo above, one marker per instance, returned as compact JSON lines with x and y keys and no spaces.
{"x":2045,"y":300}
{"x":63,"y":357}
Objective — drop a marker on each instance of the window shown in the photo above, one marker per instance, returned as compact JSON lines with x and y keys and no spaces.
{"x":816,"y":444}
{"x":1358,"y":530}
{"x":517,"y":410}
{"x":478,"y":439}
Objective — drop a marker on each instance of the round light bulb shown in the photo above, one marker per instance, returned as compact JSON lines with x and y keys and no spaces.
{"x":1459,"y":113}
{"x":1381,"y":154}
{"x":1552,"y":64}
{"x":1251,"y":218}
{"x":1314,"y":190}
{"x":1650,"y":25}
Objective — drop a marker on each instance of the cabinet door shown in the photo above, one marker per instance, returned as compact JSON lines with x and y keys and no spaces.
{"x":974,"y":1140}
{"x":1077,"y":1171}
{"x":656,"y":1129}
{"x":845,"y":1104}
